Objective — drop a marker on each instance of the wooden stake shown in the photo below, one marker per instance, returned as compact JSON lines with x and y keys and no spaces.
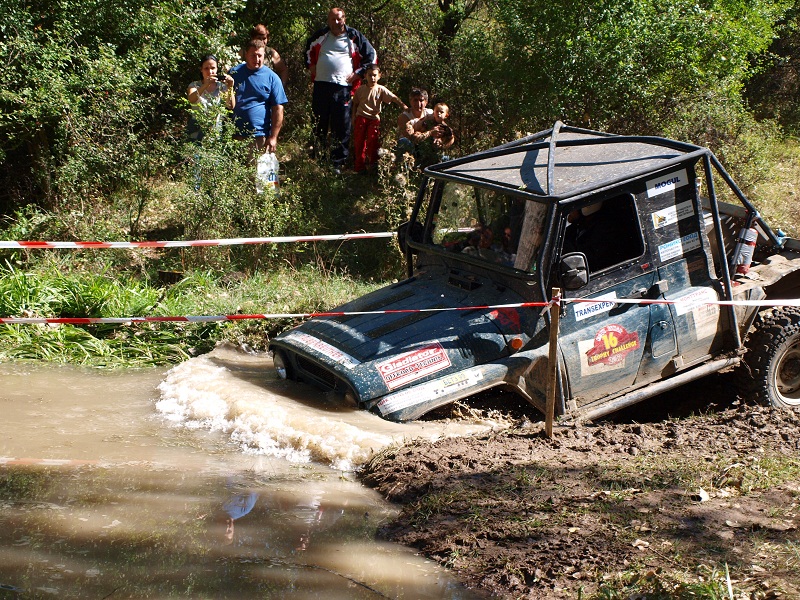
{"x":552,"y":364}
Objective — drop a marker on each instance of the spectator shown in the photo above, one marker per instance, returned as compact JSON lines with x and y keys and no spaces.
{"x":367,"y":103}
{"x":418,"y":101}
{"x":431,"y":134}
{"x":272,"y":59}
{"x":259,"y":99}
{"x":207,"y":93}
{"x":336,"y":56}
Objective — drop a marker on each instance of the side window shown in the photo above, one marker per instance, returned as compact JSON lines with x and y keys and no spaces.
{"x":480,"y":223}
{"x":607,"y":232}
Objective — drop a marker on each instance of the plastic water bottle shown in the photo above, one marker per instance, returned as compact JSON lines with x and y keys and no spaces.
{"x":746,"y":245}
{"x":267,"y":169}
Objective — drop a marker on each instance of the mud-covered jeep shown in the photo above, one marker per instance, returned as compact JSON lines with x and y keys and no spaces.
{"x":661,"y":283}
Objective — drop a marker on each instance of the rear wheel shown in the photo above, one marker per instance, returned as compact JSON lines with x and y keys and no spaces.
{"x":773,"y":357}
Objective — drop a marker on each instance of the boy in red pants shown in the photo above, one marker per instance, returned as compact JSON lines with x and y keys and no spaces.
{"x":366,"y":107}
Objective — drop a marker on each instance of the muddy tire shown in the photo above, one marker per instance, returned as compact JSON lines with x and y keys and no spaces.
{"x":773,"y":358}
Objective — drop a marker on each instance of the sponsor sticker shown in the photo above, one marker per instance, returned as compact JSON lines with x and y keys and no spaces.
{"x":611,"y":345}
{"x":667,"y":183}
{"x":672,"y":214}
{"x":590,"y":309}
{"x":323,"y":348}
{"x":692,"y":300}
{"x":400,"y":370}
{"x":430,"y":390}
{"x":679,"y":247}
{"x":705,"y":317}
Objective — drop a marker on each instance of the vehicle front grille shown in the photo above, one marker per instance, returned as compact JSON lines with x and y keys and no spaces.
{"x":322,"y":376}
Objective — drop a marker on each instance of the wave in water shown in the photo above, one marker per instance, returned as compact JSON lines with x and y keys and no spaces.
{"x":240,"y":395}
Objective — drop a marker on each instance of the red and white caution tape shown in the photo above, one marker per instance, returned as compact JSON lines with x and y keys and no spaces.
{"x":241,"y":317}
{"x":212,"y":318}
{"x":189,"y":243}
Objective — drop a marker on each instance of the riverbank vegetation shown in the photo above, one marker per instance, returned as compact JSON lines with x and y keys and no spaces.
{"x":93,"y":147}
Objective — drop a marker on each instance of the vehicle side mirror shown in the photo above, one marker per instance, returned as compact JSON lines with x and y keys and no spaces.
{"x":573,"y":271}
{"x":406,"y":231}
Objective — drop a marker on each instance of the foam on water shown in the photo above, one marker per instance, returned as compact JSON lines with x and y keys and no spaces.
{"x":241,"y":395}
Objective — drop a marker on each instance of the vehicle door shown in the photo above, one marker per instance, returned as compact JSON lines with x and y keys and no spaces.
{"x":603,"y":343}
{"x":675,"y":226}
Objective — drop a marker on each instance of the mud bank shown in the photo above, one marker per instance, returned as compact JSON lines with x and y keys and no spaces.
{"x":515,"y":514}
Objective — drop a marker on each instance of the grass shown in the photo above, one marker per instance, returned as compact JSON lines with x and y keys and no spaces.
{"x":777,"y":196}
{"x":742,"y":476}
{"x":48,"y":293}
{"x":713,"y":584}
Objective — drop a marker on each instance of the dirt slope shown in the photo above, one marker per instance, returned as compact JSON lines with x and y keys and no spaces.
{"x":518,"y":515}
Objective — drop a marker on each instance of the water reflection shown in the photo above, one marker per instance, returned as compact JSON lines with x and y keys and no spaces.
{"x":101,"y":496}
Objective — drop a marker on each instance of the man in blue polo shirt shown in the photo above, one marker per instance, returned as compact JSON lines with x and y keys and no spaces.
{"x":259,"y":99}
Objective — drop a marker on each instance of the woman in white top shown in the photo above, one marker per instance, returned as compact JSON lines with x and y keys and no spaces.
{"x":208,"y":93}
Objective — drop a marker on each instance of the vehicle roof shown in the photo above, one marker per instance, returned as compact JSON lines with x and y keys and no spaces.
{"x":583,"y":161}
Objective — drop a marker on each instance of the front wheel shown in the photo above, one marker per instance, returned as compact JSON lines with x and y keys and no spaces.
{"x":773,"y":357}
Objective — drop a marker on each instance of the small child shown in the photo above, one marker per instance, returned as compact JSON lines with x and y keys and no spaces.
{"x":433,"y":126}
{"x":431,"y":134}
{"x":367,"y":103}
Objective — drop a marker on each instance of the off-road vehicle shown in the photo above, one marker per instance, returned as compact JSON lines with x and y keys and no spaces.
{"x":662,"y":282}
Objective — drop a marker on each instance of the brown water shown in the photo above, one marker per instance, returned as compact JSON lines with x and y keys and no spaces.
{"x":212,"y":480}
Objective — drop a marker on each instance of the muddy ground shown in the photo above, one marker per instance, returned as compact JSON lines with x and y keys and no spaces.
{"x":670,"y":491}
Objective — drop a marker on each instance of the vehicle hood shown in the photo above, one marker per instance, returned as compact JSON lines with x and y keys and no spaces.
{"x":381,"y":352}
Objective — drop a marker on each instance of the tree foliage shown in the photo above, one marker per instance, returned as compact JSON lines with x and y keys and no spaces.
{"x":93,"y":106}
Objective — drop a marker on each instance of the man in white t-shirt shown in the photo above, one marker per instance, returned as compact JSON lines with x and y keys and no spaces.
{"x":336,"y":56}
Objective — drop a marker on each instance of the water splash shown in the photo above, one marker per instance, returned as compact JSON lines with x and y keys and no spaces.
{"x":240,"y":395}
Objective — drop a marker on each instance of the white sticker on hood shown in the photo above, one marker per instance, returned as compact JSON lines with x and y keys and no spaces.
{"x":324,"y":348}
{"x":407,"y":367}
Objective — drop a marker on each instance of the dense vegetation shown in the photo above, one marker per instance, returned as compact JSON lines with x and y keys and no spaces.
{"x":93,"y":112}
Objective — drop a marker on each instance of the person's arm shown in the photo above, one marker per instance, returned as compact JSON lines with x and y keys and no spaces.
{"x":389,"y":96}
{"x":275,"y":128}
{"x":280,"y":67}
{"x":444,"y":136}
{"x":446,"y":142}
{"x":419,"y":132}
{"x":366,"y":53}
{"x":196,"y":93}
{"x":311,"y":53}
{"x":230,"y":95}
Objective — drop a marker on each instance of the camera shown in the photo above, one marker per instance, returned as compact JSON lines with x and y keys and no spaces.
{"x":220,"y":77}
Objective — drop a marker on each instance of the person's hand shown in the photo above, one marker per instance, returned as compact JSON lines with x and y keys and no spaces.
{"x":352,"y":78}
{"x":405,"y":108}
{"x":271,"y":145}
{"x":229,"y":81}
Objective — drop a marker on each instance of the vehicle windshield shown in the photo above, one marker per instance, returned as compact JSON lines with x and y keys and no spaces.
{"x":487,"y":225}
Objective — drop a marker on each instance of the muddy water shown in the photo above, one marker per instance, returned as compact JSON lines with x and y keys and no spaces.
{"x":211,"y":480}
